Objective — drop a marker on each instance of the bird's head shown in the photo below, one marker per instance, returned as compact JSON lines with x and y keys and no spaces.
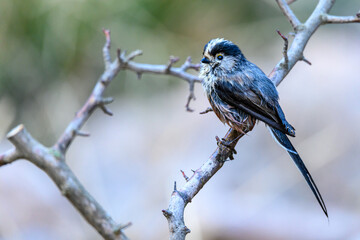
{"x":220,"y":55}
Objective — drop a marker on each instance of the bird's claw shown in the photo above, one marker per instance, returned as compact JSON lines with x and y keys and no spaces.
{"x":290,"y":130}
{"x":224,"y":143}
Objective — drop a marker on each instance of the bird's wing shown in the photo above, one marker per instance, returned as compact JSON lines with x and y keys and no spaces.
{"x":248,"y":101}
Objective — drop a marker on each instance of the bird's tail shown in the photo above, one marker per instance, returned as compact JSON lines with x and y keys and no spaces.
{"x":284,"y":142}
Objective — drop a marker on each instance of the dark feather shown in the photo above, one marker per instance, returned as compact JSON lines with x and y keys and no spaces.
{"x":284,"y":141}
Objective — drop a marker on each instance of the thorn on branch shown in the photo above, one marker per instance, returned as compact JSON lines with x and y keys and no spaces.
{"x":106,"y":110}
{"x":172,"y":61}
{"x":305,"y":60}
{"x":285,"y":49}
{"x":184,"y":175}
{"x":209,"y":109}
{"x":186,"y":230}
{"x":81,"y":134}
{"x":175,"y":186}
{"x":189,"y":65}
{"x":107,"y":100}
{"x":139,"y":75}
{"x":167,"y":213}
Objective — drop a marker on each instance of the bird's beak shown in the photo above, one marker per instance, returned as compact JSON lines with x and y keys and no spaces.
{"x":205,"y":60}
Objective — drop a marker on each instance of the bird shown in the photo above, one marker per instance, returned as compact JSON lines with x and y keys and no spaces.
{"x":240,"y":94}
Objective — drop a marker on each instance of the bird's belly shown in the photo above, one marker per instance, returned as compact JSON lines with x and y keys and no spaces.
{"x":236,"y":119}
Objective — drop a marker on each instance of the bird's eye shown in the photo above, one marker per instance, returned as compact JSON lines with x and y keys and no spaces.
{"x":220,"y":57}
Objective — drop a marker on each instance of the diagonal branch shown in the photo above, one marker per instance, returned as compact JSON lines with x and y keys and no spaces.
{"x":182,"y":196}
{"x":284,"y":6}
{"x":326,"y":18}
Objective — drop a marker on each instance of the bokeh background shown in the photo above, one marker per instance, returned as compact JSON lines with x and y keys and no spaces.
{"x":50,"y":59}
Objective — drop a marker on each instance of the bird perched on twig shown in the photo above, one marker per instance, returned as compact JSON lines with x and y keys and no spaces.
{"x":240,"y":94}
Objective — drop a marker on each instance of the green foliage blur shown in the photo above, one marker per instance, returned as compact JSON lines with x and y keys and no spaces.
{"x":44,"y":43}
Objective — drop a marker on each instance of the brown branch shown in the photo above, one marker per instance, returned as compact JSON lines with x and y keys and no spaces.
{"x":326,"y":18}
{"x":182,"y":196}
{"x":284,"y":7}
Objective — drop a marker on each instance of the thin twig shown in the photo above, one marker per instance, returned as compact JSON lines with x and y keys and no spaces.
{"x":326,"y":18}
{"x":51,"y":161}
{"x":294,"y":21}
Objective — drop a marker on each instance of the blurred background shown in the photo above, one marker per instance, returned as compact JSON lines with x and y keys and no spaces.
{"x":50,"y":59}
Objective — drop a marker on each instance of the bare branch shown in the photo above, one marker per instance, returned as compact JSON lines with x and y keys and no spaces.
{"x":175,"y":212}
{"x":305,"y":60}
{"x":10,"y":156}
{"x":106,"y":49}
{"x":51,"y":161}
{"x":302,"y":36}
{"x":184,"y":175}
{"x":326,"y":18}
{"x":294,"y":21}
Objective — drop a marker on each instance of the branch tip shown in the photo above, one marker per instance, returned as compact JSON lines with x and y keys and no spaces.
{"x":172,"y":61}
{"x":305,"y":60}
{"x":15,"y":131}
{"x":106,"y":110}
{"x":133,"y":54}
{"x":285,"y":49}
{"x":167,"y":213}
{"x":139,"y":75}
{"x":81,"y":134}
{"x":119,"y":228}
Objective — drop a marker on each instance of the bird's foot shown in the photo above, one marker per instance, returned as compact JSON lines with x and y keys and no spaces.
{"x":290,"y":130}
{"x":226,"y":144}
